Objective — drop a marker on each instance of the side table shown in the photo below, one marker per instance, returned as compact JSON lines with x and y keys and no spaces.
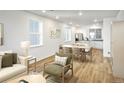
{"x":29,"y":60}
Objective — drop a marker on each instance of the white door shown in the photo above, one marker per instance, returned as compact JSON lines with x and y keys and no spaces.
{"x":118,"y":48}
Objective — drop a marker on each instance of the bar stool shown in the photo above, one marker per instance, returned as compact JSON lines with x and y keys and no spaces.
{"x":77,"y":53}
{"x":88,"y":53}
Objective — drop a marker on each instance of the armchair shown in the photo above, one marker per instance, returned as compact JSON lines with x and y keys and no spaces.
{"x":58,"y":70}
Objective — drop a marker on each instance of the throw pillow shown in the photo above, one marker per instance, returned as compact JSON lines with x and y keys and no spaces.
{"x":60,"y":60}
{"x":14,"y":57}
{"x":7,"y":60}
{"x":65,"y":55}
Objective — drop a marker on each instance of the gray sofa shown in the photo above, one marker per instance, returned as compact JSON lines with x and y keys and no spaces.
{"x":15,"y":70}
{"x":9,"y":72}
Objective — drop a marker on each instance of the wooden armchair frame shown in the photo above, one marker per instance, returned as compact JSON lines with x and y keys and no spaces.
{"x":63,"y":69}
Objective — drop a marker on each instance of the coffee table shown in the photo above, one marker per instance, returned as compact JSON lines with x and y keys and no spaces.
{"x":38,"y":78}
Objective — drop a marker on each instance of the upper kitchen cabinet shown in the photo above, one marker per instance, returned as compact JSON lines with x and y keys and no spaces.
{"x":95,"y":34}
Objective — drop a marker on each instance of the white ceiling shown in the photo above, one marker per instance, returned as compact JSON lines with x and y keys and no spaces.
{"x":67,"y":16}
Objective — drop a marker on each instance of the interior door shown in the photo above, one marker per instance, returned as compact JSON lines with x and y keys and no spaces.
{"x":118,"y":48}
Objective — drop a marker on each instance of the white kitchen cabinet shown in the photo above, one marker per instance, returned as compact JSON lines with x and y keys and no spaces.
{"x":98,"y":44}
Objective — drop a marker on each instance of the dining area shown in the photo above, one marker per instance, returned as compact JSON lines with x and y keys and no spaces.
{"x":82,"y":52}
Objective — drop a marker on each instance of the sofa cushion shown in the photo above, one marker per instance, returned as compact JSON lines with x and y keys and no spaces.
{"x":9,"y":72}
{"x":7,"y":60}
{"x":14,"y":57}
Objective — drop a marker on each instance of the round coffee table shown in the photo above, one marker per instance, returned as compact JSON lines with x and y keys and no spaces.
{"x":37,"y":78}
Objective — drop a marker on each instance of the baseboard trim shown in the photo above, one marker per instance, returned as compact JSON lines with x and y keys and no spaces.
{"x":110,"y":60}
{"x":47,"y":59}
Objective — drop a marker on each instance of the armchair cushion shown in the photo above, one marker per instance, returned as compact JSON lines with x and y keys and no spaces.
{"x":55,"y":69}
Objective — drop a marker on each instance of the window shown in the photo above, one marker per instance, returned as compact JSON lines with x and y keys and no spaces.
{"x":95,"y":34}
{"x":35,"y":33}
{"x":67,"y":34}
{"x":79,"y":37}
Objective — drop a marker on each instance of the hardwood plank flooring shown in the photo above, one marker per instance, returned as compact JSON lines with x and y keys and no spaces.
{"x":97,"y":71}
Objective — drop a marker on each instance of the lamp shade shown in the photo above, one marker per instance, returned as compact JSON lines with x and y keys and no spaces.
{"x":25,"y":47}
{"x":25,"y":44}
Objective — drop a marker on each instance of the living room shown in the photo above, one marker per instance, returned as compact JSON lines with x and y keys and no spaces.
{"x":17,"y":23}
{"x":99,"y":71}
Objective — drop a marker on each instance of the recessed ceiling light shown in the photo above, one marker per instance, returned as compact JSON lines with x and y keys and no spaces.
{"x":80,"y":13}
{"x":44,"y":11}
{"x":57,"y":17}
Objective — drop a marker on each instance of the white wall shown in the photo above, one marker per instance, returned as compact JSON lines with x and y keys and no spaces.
{"x":16,"y":27}
{"x":106,"y":34}
{"x":118,"y":45}
{"x":107,"y":31}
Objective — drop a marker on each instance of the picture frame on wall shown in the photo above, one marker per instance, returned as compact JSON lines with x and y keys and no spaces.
{"x":58,"y":33}
{"x":55,"y":33}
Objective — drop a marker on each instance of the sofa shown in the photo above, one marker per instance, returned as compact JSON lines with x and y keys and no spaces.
{"x":15,"y":70}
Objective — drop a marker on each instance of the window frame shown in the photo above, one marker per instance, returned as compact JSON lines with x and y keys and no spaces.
{"x":40,"y":32}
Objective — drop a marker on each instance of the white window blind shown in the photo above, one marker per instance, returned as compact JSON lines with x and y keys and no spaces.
{"x":36,"y":33}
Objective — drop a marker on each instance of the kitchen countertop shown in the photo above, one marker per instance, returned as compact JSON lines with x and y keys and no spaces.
{"x":90,"y":40}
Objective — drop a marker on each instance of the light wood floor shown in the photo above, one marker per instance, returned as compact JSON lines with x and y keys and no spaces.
{"x":97,"y":71}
